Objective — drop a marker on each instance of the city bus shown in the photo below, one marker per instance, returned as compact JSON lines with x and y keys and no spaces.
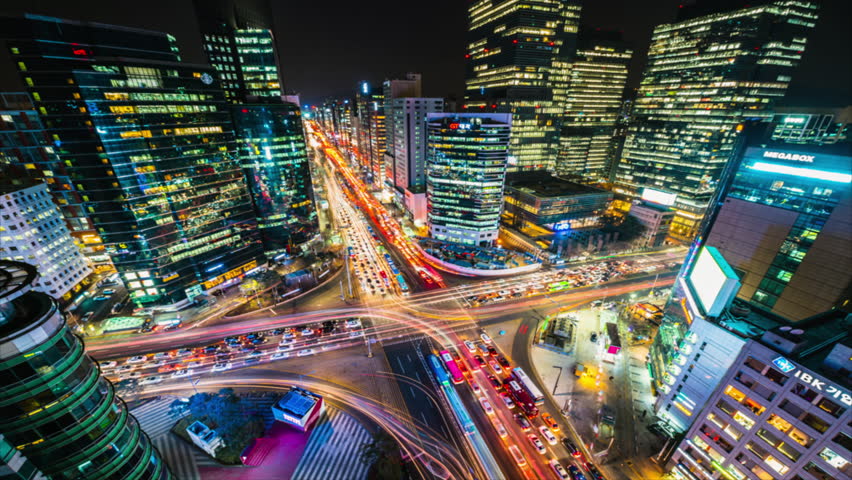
{"x":521,"y":397}
{"x":452,"y":367}
{"x":528,"y":385}
{"x":402,"y":285}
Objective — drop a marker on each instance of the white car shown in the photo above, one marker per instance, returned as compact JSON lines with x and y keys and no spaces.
{"x":280,"y":355}
{"x":354,"y":323}
{"x":109,"y":291}
{"x":501,"y":430}
{"x":162,"y":355}
{"x":126,"y":368}
{"x":284,"y":348}
{"x":486,"y":405}
{"x":288,"y":336}
{"x":551,"y":439}
{"x":495,"y":366}
{"x":470,"y":346}
{"x":508,"y":401}
{"x":305,"y":353}
{"x":182,"y":373}
{"x":307,"y":332}
{"x":108,"y":364}
{"x":485,"y":338}
{"x":160,"y":363}
{"x":221,"y":367}
{"x":537,"y":443}
{"x":137,"y":359}
{"x":127,"y":376}
{"x":356,"y":334}
{"x":476,"y":388}
{"x":184,"y":352}
{"x":559,"y":469}
{"x":286,"y":341}
{"x":151,"y":380}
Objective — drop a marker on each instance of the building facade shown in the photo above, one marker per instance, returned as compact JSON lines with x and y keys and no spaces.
{"x":785,"y":226}
{"x":372,"y":135}
{"x":773,"y":417}
{"x":657,"y":219}
{"x":598,"y":76}
{"x":409,"y":140}
{"x":27,"y":151}
{"x":58,"y":411}
{"x":465,"y":175}
{"x":409,"y":86}
{"x":33,"y":231}
{"x":148,"y":142}
{"x":518,"y":54}
{"x":805,"y":126}
{"x":705,"y":75}
{"x":274,"y":158}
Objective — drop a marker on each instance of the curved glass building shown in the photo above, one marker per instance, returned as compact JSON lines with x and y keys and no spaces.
{"x":55,"y":408}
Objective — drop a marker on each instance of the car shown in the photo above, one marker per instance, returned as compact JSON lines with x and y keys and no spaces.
{"x":576,"y":474}
{"x":522,"y":422}
{"x":470,"y":346}
{"x":508,"y":401}
{"x":129,"y":376}
{"x":483,"y":349}
{"x":184,"y":352}
{"x":256,"y":353}
{"x":550,"y":422}
{"x":558,"y":469}
{"x":289,"y":335}
{"x":503,"y":362}
{"x":495,"y":366}
{"x":284,"y":348}
{"x":353,"y":323}
{"x":162,"y":355}
{"x":536,"y":443}
{"x":492,"y":351}
{"x":476,"y":388}
{"x":117,"y":308}
{"x":277,"y":331}
{"x":125,"y":368}
{"x":495,"y":382}
{"x":572,"y":449}
{"x":485,"y":338}
{"x":221,"y":366}
{"x":211,"y":348}
{"x":86,"y":316}
{"x":166,"y":368}
{"x":101,"y":298}
{"x":251,"y":361}
{"x":520,"y":460}
{"x":247,"y":348}
{"x":305,"y":352}
{"x":548,"y":436}
{"x":479,"y":360}
{"x":151,"y":380}
{"x":486,"y":405}
{"x":108,"y":364}
{"x":306,"y":332}
{"x":356,"y":333}
{"x":173,"y":326}
{"x":109,"y":291}
{"x":182,"y":373}
{"x":501,"y":429}
{"x":280,"y":355}
{"x":160,"y":363}
{"x":593,"y":471}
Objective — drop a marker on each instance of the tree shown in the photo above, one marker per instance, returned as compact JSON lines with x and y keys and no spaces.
{"x":250,"y":287}
{"x":382,"y":453}
{"x":628,"y":227}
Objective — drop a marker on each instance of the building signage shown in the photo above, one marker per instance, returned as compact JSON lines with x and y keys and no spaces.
{"x":812,"y":382}
{"x":237,"y":272}
{"x":659,"y":196}
{"x":459,"y":126}
{"x":798,"y":157}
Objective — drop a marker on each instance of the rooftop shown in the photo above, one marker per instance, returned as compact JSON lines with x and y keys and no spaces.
{"x":542,"y":184}
{"x":297,"y":402}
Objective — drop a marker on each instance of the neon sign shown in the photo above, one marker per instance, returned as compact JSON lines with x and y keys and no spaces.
{"x":798,"y":157}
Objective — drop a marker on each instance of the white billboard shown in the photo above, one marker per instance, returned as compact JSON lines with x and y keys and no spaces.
{"x":659,"y":196}
{"x":712,"y":281}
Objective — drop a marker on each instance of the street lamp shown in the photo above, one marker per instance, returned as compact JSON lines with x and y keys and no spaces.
{"x":557,"y":379}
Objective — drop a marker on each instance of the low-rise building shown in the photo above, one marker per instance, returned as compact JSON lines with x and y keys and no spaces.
{"x":205,"y":438}
{"x":299,"y":408}
{"x":656,"y":219}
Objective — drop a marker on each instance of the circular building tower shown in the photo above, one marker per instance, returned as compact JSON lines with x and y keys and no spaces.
{"x":55,"y":408}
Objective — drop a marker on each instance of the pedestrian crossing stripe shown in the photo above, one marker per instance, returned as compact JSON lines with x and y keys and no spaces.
{"x":333,"y":451}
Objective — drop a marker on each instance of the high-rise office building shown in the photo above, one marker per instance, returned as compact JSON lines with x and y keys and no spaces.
{"x":598,"y":75}
{"x":812,"y":126}
{"x":274,"y":157}
{"x":705,"y":75}
{"x":237,"y":39}
{"x":465,"y":175}
{"x":785,"y":225}
{"x":57,"y":409}
{"x":518,"y":55}
{"x":410,"y":86}
{"x":33,"y":231}
{"x":148,"y":143}
{"x":27,"y":151}
{"x":372,"y":135}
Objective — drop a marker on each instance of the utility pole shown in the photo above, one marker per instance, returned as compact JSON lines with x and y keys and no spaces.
{"x":557,"y":379}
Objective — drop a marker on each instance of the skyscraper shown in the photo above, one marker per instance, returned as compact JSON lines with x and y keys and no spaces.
{"x":410,"y":86}
{"x":274,"y":157}
{"x":237,"y":39}
{"x":372,"y":135}
{"x":705,"y":75}
{"x":518,"y":53}
{"x":595,"y":87}
{"x":58,"y":410}
{"x":465,"y":175}
{"x":148,"y":143}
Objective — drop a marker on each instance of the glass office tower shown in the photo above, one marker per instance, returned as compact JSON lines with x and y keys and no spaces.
{"x":517,"y":56}
{"x":705,"y":75}
{"x":587,"y":143}
{"x":55,"y":407}
{"x":274,"y":158}
{"x":465,"y":174}
{"x":148,"y":143}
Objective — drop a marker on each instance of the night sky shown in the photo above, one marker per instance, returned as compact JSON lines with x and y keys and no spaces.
{"x":327,"y":47}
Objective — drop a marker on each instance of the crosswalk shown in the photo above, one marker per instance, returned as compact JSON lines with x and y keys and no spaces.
{"x":333,"y":451}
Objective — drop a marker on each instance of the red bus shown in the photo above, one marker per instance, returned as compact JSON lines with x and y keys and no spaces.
{"x":521,"y":397}
{"x":452,"y":367}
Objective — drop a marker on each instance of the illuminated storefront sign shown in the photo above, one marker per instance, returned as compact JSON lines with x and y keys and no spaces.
{"x":237,"y":272}
{"x":789,"y":156}
{"x":659,"y":196}
{"x":803,"y":172}
{"x":812,"y":382}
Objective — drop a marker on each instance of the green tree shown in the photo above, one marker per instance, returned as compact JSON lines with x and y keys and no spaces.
{"x":382,"y":453}
{"x":628,"y":227}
